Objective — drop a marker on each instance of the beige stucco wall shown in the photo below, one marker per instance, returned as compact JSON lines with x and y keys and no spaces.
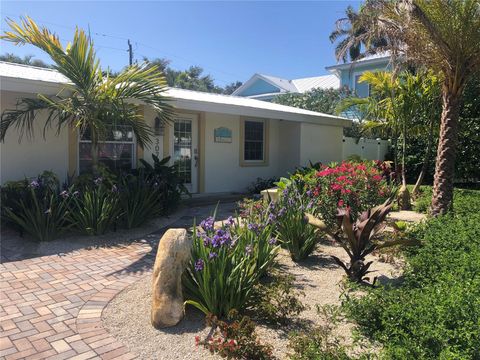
{"x":320,"y":143}
{"x":31,"y":156}
{"x":222,"y":160}
{"x":290,"y":144}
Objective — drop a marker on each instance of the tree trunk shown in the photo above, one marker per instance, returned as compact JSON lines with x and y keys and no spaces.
{"x":442,"y":199}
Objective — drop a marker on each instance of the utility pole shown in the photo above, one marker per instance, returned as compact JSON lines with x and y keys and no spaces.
{"x":130,"y":53}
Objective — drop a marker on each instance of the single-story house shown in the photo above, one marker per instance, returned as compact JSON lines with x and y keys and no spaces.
{"x":221,"y":143}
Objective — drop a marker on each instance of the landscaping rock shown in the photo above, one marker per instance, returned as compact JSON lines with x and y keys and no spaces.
{"x":172,"y":257}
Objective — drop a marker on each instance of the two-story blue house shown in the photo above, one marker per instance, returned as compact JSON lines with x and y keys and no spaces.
{"x":347,"y":75}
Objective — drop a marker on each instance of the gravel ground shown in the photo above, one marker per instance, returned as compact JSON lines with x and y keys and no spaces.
{"x":319,"y":277}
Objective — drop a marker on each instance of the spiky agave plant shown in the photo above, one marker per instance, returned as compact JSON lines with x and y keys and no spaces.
{"x":360,"y":238}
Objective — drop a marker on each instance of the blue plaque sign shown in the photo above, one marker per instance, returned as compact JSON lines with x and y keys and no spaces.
{"x":222,"y":135}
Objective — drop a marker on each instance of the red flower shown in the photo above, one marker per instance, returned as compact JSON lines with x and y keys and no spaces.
{"x":340,"y":203}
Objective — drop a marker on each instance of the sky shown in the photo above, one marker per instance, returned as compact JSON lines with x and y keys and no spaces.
{"x":230,"y":40}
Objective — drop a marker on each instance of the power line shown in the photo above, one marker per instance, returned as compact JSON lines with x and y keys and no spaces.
{"x":130,"y":50}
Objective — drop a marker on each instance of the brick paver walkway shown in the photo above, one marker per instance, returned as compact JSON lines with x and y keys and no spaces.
{"x":51,"y":305}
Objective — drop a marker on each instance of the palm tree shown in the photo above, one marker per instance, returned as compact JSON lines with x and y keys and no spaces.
{"x":399,"y":107}
{"x":353,"y":34}
{"x":443,"y":35}
{"x":92,"y":102}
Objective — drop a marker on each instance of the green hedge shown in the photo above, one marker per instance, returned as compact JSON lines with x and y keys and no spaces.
{"x":435,"y":313}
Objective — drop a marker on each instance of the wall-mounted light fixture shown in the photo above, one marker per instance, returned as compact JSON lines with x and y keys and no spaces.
{"x":159,"y":127}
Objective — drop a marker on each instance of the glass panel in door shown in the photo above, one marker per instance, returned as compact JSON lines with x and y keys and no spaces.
{"x":182,"y":149}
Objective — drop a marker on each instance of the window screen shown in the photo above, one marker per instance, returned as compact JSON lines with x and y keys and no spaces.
{"x":254,"y":140}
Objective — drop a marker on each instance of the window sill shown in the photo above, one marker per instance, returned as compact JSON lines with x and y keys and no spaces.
{"x":252,"y":163}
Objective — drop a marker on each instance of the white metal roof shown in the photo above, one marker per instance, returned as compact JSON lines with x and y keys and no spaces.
{"x":300,"y":85}
{"x":31,"y":73}
{"x":370,"y":59}
{"x":322,"y":82}
{"x":30,"y":79}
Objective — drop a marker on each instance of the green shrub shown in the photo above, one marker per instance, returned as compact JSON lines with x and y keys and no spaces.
{"x":261,"y":184}
{"x":226,"y":264}
{"x":95,"y":209}
{"x":435,"y":314}
{"x":38,"y":207}
{"x":359,"y":186}
{"x":320,"y":342}
{"x":140,"y":199}
{"x":293,"y":230}
{"x":276,"y":301}
{"x":167,"y":179}
{"x":235,"y":338}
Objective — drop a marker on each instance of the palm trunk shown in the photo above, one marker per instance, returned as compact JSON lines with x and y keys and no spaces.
{"x":442,"y":199}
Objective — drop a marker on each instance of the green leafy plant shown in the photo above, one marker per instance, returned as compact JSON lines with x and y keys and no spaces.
{"x":359,"y":186}
{"x":360,"y":238}
{"x":293,"y":229}
{"x":276,"y":300}
{"x":95,"y":209}
{"x":261,"y":184}
{"x":235,"y":338}
{"x":226,"y":264}
{"x":320,"y":342}
{"x":39,"y":209}
{"x":167,"y":179}
{"x":140,"y":199}
{"x":435,"y":312}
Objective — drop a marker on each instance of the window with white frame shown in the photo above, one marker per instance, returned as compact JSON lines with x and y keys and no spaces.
{"x":254,"y":140}
{"x":117,"y":151}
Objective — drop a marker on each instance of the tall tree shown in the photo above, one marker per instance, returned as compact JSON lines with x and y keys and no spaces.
{"x":400,"y":106}
{"x":353,"y":37}
{"x":92,"y":102}
{"x":443,"y":35}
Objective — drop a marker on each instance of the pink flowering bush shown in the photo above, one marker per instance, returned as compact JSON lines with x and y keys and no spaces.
{"x":356,"y":186}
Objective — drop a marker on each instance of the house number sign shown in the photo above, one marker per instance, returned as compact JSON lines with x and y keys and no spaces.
{"x":156,"y":147}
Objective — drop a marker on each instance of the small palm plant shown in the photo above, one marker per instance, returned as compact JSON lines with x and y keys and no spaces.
{"x":93,"y":101}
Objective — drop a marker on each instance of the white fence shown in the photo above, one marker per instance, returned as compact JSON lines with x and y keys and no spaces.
{"x":371,"y":149}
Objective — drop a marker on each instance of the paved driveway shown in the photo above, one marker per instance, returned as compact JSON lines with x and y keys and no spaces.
{"x":53,"y":295}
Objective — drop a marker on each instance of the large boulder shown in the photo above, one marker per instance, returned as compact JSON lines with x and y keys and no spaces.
{"x":172,"y":257}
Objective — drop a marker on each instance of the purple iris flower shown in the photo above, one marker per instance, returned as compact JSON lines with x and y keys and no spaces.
{"x":271,"y":218}
{"x":282,"y":212}
{"x":64,"y":194}
{"x":207,"y":224}
{"x":272,"y":241}
{"x":114,"y":188}
{"x":98,"y":181}
{"x":34,"y":184}
{"x":212,"y":255}
{"x":309,"y":193}
{"x":248,"y":250}
{"x":76,"y":193}
{"x":230,"y":221}
{"x":199,"y":264}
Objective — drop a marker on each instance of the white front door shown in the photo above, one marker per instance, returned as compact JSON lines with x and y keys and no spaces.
{"x":185,"y":149}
